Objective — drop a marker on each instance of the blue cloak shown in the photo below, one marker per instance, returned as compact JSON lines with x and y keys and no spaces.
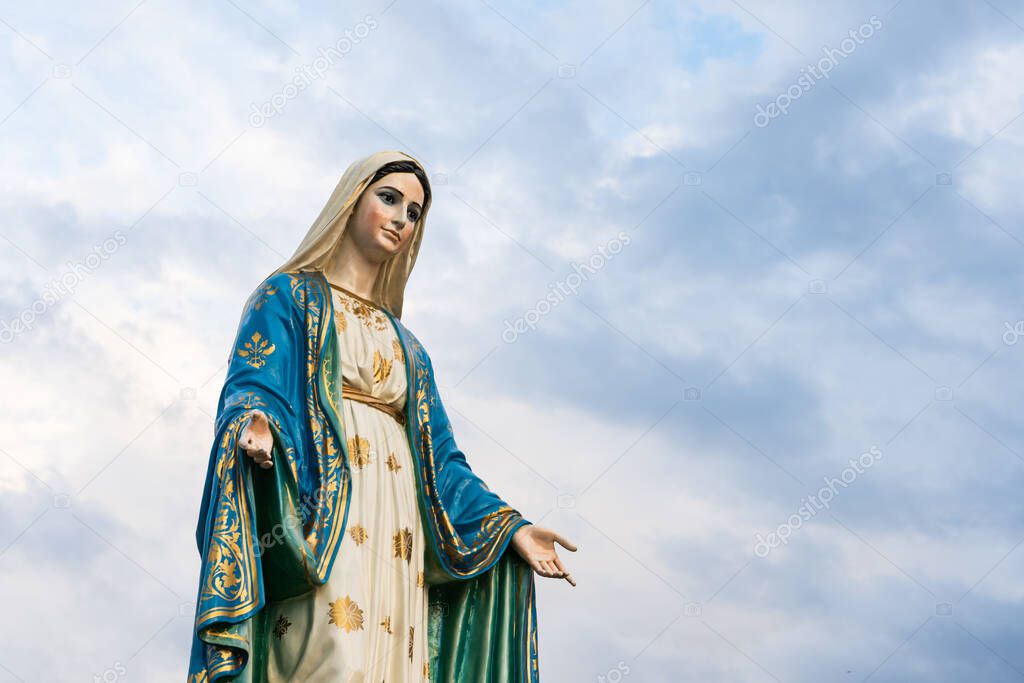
{"x":266,"y":535}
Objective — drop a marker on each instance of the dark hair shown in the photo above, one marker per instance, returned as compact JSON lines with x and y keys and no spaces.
{"x":405,"y":167}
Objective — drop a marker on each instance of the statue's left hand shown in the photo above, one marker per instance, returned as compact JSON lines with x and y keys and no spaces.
{"x":536,"y":545}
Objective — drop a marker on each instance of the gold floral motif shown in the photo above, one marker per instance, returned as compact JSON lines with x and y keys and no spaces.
{"x":300,"y":288}
{"x":393,"y":463}
{"x":402,"y":544}
{"x":412,"y":632}
{"x":386,"y":623}
{"x":225,"y":557}
{"x":369,"y":315}
{"x":359,"y":451}
{"x":399,"y":355}
{"x":282,"y":626}
{"x":256,"y":350}
{"x":419,"y":579}
{"x":248,"y":400}
{"x":358,"y":534}
{"x":381,"y":367}
{"x":262,"y":294}
{"x":340,"y":321}
{"x":422,"y":406}
{"x":426,"y":670}
{"x":346,"y":614}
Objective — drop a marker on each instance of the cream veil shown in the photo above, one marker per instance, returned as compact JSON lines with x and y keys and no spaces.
{"x":317,"y":246}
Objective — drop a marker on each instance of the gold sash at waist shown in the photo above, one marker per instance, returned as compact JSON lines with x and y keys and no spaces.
{"x":349,"y":391}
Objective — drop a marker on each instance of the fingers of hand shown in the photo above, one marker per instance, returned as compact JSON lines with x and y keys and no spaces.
{"x":261,"y":456}
{"x":565,"y":543}
{"x":565,"y":575}
{"x":550,"y":570}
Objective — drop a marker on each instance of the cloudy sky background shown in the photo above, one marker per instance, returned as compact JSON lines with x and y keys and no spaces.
{"x":786,"y":297}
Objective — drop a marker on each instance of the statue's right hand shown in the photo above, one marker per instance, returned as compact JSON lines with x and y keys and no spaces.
{"x":257,"y":440}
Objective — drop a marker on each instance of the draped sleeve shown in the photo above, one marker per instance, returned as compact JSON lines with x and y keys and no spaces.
{"x":472,"y":525}
{"x":260,"y":370}
{"x":480,"y":514}
{"x":267,"y":534}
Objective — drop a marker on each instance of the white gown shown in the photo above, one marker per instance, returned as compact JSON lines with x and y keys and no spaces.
{"x":368,"y":623}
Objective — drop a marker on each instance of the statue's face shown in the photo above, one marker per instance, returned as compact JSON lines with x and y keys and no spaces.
{"x":385,"y":216}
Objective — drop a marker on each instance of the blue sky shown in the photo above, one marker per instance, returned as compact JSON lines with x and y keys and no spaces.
{"x":789,"y":294}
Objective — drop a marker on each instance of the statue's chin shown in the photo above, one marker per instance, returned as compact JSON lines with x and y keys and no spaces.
{"x":388,"y":249}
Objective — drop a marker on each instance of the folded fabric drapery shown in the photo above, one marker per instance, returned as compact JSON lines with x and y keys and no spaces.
{"x":349,"y":391}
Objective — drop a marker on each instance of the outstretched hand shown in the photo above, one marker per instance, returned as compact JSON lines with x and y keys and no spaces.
{"x":257,"y":440}
{"x":536,"y":545}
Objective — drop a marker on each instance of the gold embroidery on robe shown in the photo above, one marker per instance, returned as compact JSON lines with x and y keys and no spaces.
{"x":256,"y":350}
{"x":346,"y":614}
{"x":381,"y":367}
{"x":393,"y":463}
{"x":281,"y":627}
{"x":262,"y":294}
{"x":358,"y":534}
{"x":492,"y":520}
{"x":369,"y":315}
{"x":359,"y":451}
{"x":402,"y":544}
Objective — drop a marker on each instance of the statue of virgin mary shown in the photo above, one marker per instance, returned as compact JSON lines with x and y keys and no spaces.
{"x":342,"y":534}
